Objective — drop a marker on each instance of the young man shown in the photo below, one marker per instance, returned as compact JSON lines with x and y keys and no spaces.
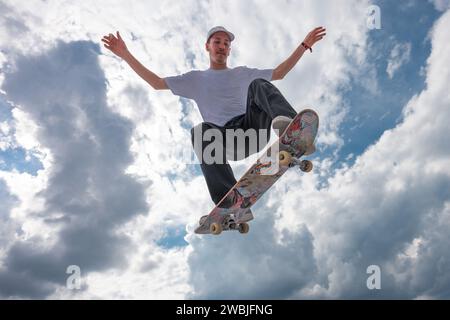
{"x":236,"y":98}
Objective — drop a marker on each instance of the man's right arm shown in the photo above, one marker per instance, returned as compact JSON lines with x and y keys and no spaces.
{"x":119,"y":48}
{"x":152,"y":79}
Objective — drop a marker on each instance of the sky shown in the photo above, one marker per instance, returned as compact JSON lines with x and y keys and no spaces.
{"x":90,"y":170}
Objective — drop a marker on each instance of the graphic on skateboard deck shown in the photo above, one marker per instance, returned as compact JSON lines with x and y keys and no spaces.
{"x":276,"y":160}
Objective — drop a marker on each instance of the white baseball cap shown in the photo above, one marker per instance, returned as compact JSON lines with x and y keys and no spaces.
{"x":217,"y":29}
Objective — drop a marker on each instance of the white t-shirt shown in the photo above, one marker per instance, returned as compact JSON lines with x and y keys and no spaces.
{"x":220,"y":94}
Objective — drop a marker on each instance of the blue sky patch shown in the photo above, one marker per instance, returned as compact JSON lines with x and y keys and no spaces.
{"x":16,"y":159}
{"x":174,"y":237}
{"x":371,"y":112}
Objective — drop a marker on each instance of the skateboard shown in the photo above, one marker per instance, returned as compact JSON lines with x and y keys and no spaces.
{"x":233,"y":211}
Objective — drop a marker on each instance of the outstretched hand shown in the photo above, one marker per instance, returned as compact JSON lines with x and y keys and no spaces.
{"x":116,"y":45}
{"x":314,"y":36}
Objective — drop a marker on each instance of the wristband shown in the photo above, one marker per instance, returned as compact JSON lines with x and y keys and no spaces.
{"x":306,"y":46}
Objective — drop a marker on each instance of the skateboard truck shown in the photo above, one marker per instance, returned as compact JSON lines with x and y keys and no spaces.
{"x":228,"y":223}
{"x":288,"y":160}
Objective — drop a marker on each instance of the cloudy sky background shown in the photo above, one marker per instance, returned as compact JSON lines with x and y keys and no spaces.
{"x":90,"y":170}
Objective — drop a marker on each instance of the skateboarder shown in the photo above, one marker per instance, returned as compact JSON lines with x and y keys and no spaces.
{"x":227,"y":98}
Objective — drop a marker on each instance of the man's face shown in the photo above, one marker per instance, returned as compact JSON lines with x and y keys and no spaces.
{"x":218,"y":47}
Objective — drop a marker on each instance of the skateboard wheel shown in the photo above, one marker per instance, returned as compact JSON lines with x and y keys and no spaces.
{"x":215,"y":228}
{"x":306,"y":166}
{"x":244,"y":227}
{"x":285,"y":158}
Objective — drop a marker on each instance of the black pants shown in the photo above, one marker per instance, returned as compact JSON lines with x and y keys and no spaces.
{"x":264,"y":103}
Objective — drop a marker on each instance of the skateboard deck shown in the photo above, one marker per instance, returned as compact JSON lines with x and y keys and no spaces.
{"x":283,"y":154}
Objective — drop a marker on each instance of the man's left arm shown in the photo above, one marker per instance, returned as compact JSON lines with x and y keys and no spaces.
{"x":314,"y":36}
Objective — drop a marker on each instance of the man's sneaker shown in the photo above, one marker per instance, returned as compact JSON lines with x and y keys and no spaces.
{"x":230,"y":200}
{"x":280,"y":123}
{"x":235,"y":198}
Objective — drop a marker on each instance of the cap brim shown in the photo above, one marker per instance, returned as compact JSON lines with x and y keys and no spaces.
{"x":230,"y":35}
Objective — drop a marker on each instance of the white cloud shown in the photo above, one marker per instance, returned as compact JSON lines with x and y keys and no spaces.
{"x":400,"y":55}
{"x":169,"y":43}
{"x":87,"y":194}
{"x":324,"y":237}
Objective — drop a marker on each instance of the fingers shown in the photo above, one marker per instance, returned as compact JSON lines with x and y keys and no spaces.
{"x":315,"y":35}
{"x":109,"y":37}
{"x":110,"y":40}
{"x":319,"y":37}
{"x":319,"y":33}
{"x":108,"y":45}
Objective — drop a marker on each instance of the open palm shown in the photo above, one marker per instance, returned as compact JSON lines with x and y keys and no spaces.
{"x":315,"y":35}
{"x":115,"y":44}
